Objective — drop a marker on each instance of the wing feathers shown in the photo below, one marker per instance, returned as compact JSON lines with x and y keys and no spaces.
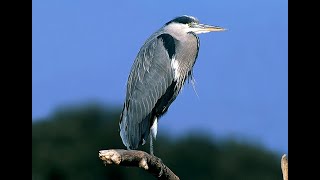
{"x":150,"y":77}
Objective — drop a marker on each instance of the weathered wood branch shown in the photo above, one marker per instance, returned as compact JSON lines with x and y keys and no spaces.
{"x":284,"y":167}
{"x":134,"y":158}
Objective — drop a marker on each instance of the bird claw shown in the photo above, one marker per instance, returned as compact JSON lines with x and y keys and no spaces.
{"x":161,"y":172}
{"x":161,"y":168}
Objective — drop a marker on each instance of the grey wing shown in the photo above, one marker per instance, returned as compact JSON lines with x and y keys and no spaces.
{"x":150,"y":77}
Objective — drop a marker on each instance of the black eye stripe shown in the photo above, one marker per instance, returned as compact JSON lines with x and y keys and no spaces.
{"x":183,"y":20}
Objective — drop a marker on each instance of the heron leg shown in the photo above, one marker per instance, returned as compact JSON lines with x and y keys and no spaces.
{"x":151,"y":152}
{"x":151,"y":144}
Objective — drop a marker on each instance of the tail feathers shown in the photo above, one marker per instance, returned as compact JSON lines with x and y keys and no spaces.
{"x":124,"y":130}
{"x":132,"y":132}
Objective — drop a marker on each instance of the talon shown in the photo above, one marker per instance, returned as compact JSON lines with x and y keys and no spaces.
{"x":161,"y":172}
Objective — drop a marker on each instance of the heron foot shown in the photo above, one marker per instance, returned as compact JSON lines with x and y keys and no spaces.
{"x":161,"y":167}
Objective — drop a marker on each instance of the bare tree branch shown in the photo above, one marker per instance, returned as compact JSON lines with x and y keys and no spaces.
{"x":284,"y":167}
{"x":140,"y":159}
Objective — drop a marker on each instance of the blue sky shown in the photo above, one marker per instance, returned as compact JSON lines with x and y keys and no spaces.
{"x":83,"y":51}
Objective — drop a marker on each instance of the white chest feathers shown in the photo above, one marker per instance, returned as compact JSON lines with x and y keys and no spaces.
{"x":175,"y":67}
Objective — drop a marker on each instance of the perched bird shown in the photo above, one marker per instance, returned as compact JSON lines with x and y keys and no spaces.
{"x":159,"y":71}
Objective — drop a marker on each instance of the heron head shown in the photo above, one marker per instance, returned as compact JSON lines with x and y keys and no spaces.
{"x":192,"y":24}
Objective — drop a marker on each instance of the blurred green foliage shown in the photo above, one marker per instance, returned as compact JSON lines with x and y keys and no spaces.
{"x":65,"y":146}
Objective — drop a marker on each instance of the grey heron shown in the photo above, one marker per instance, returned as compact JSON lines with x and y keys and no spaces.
{"x":159,"y":72}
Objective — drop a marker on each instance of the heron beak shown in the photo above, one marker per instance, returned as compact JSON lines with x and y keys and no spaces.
{"x":204,"y":28}
{"x":212,"y":28}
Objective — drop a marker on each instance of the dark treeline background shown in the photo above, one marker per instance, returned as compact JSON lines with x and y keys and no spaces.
{"x":66,"y":145}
